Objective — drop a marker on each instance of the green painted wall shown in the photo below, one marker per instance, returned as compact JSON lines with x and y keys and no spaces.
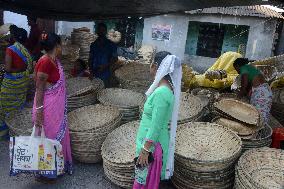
{"x":192,"y":38}
{"x":139,"y":34}
{"x":234,"y":36}
{"x":231,"y":42}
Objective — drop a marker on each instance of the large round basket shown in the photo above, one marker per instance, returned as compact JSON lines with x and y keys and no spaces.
{"x":238,"y":110}
{"x":134,"y":76}
{"x":241,"y":129}
{"x":118,"y":152}
{"x":205,"y":156}
{"x":89,"y":127}
{"x":82,"y":92}
{"x":20,"y":122}
{"x":262,"y":138}
{"x":191,"y":108}
{"x":260,"y":168}
{"x":127,"y":101}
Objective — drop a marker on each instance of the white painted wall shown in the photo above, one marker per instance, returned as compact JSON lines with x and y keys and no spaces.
{"x":65,"y":28}
{"x":176,"y":44}
{"x":261,"y":33}
{"x":259,"y":45}
{"x":17,"y":19}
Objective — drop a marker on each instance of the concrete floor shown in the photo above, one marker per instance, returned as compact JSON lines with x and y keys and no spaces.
{"x":86,"y":176}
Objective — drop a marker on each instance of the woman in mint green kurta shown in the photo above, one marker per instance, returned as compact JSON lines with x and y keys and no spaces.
{"x":153,"y":134}
{"x":155,"y":120}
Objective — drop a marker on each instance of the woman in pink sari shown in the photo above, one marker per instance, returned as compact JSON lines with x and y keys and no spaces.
{"x":49,"y":110}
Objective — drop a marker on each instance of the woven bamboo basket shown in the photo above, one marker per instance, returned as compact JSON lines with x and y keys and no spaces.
{"x":260,"y":168}
{"x":240,"y":128}
{"x":134,"y":76}
{"x":263,"y":138}
{"x":20,"y":122}
{"x":118,"y":152}
{"x":127,"y":101}
{"x":205,"y":159}
{"x":191,"y":108}
{"x":82,"y":92}
{"x":89,"y":126}
{"x":239,"y":110}
{"x":205,"y":92}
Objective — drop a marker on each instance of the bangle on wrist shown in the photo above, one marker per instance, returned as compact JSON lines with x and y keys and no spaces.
{"x":38,"y":108}
{"x":145,"y":149}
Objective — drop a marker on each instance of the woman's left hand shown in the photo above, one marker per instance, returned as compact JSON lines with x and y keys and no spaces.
{"x":143,"y":158}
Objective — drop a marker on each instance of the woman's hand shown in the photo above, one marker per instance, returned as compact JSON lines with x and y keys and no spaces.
{"x":143,"y":158}
{"x":39,"y":119}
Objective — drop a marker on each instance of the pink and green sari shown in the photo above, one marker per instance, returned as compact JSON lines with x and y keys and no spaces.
{"x":55,"y":117}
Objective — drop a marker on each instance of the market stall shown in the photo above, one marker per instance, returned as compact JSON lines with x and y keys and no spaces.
{"x":104,"y":122}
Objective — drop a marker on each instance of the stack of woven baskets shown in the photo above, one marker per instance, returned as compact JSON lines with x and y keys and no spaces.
{"x":134,"y":76}
{"x":118,"y":152}
{"x":205,"y":156}
{"x":82,"y":92}
{"x":245,"y":120}
{"x":260,"y":168}
{"x":89,"y":126}
{"x":191,"y":108}
{"x":146,"y":54}
{"x":83,"y":38}
{"x":127,"y":101}
{"x":20,"y":122}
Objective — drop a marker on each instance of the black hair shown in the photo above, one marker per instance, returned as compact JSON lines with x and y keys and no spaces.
{"x":82,"y":63}
{"x":159,"y":57}
{"x":50,"y":41}
{"x":12,"y":29}
{"x":20,"y":35}
{"x":32,"y":18}
{"x":239,"y":62}
{"x":101,"y":25}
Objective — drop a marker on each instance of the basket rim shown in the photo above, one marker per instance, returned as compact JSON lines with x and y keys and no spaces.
{"x":228,"y":159}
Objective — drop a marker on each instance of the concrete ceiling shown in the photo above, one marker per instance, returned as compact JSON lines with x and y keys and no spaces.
{"x":103,"y":9}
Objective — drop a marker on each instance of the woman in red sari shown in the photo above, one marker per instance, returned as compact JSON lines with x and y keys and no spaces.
{"x":49,"y":111}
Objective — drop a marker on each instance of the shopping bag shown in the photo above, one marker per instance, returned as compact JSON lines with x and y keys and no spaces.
{"x":36,"y":154}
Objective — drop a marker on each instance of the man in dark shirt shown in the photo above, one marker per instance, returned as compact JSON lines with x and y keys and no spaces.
{"x":103,"y":53}
{"x":33,"y":40}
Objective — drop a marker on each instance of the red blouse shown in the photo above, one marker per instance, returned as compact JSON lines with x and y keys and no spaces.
{"x":45,"y":65}
{"x":17,"y":61}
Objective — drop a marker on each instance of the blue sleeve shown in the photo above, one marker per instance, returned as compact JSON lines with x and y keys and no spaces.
{"x":113,"y":50}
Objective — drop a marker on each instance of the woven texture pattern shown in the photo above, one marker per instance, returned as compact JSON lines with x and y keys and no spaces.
{"x":134,"y":76}
{"x":205,"y":159}
{"x":127,"y":101}
{"x":118,"y":152}
{"x":260,"y":168}
{"x":89,"y":126}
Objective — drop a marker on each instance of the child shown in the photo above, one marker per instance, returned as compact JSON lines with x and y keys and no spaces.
{"x":80,"y":69}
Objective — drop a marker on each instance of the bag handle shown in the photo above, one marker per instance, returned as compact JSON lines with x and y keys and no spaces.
{"x":42,"y":135}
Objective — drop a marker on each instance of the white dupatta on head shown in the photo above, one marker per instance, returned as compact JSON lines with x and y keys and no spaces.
{"x":170,"y":65}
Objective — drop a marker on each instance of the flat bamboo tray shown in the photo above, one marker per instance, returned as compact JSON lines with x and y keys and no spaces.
{"x":118,"y":152}
{"x":260,"y":168}
{"x":134,"y":76}
{"x":241,"y":111}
